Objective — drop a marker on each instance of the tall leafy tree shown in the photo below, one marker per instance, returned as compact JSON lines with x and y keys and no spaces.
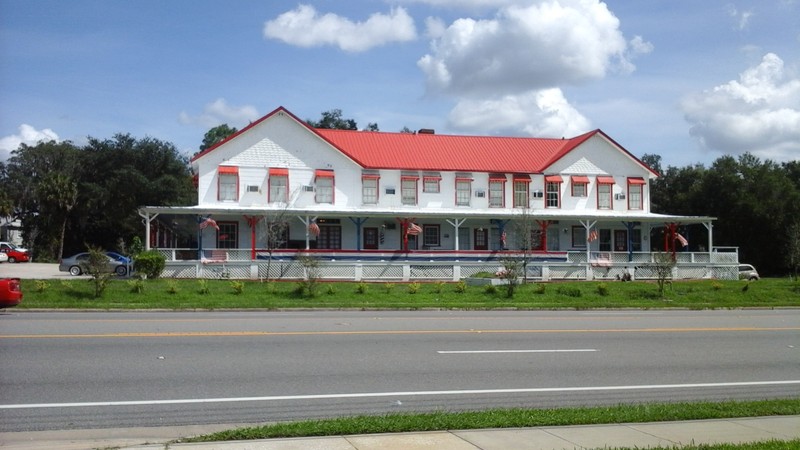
{"x":216,"y":135}
{"x":333,"y":120}
{"x":33,"y":176}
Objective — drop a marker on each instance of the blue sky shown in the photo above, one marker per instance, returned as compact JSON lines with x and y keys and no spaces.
{"x":685,"y":79}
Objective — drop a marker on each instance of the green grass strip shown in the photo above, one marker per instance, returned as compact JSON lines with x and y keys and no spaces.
{"x":510,"y":418}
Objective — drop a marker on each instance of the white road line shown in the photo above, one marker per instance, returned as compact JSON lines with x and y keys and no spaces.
{"x":400,"y":394}
{"x":567,"y":350}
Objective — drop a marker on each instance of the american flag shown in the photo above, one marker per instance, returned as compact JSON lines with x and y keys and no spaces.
{"x":413,"y":229}
{"x":681,"y":239}
{"x":593,"y":235}
{"x":209,"y":222}
{"x":503,"y":239}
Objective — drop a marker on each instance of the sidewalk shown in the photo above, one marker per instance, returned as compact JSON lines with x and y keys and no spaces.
{"x":632,"y":435}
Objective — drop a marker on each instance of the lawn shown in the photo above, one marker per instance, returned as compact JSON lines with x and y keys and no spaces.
{"x":191,"y":294}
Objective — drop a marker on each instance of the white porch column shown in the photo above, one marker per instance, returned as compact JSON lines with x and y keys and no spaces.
{"x":587,"y":225}
{"x":710,"y":227}
{"x":456,"y":224}
{"x":147,"y":219}
{"x":307,"y":221}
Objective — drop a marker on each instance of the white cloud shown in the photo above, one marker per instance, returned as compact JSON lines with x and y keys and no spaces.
{"x":305,"y":27}
{"x":544,"y":113}
{"x":220,"y":112}
{"x":27,"y":135}
{"x":742,"y":17}
{"x":526,"y":48}
{"x":759,"y":113}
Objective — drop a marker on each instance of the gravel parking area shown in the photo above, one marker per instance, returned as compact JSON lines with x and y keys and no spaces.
{"x":33,"y":271}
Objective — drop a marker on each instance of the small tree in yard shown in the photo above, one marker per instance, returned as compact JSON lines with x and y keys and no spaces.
{"x":310,"y":283}
{"x":664,"y":263}
{"x":793,"y":248}
{"x":510,"y":272}
{"x":98,"y":268}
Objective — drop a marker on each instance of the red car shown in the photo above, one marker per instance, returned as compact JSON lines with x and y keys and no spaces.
{"x":10,"y":292}
{"x":15,"y":254}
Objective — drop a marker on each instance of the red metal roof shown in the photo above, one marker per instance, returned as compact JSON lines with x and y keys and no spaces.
{"x":436,"y":152}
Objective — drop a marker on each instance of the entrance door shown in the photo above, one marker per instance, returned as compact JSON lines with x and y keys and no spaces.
{"x":370,"y":238}
{"x":481,"y":239}
{"x":330,"y":237}
{"x":464,"y":241}
{"x":620,"y":240}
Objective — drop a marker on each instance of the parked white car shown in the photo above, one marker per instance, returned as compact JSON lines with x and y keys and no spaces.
{"x":748,"y":272}
{"x":3,"y":257}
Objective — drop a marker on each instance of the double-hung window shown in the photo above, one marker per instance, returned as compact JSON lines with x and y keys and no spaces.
{"x":278,"y":185}
{"x":463,"y":190}
{"x":522,"y":191}
{"x":369,"y":189}
{"x":635,"y":191}
{"x":430,"y":235}
{"x":228,"y":184}
{"x":408,"y":189}
{"x":324,"y":186}
{"x":580,"y":185}
{"x":604,"y":188}
{"x":497,"y":187}
{"x":552,"y":188}
{"x":430,"y":184}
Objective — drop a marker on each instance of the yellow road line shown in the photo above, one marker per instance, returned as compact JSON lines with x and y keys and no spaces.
{"x":381,"y":332}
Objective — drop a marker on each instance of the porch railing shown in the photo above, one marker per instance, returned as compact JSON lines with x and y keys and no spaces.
{"x":388,"y":266}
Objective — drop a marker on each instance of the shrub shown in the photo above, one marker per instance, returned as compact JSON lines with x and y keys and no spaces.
{"x":97,"y":267}
{"x":149,"y":264}
{"x":490,"y":289}
{"x":602,"y":289}
{"x":202,"y":287}
{"x":388,"y":287}
{"x":312,"y":274}
{"x":461,"y":287}
{"x":237,"y":286}
{"x":330,"y":290}
{"x":413,"y":288}
{"x":569,"y":291}
{"x":172,"y":287}
{"x":136,"y":285}
{"x":361,"y":288}
{"x":716,"y":285}
{"x":438,"y":287}
{"x":539,"y":288}
{"x":41,"y":285}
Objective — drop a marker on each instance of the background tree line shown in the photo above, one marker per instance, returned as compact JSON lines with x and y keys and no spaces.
{"x":69,"y":196}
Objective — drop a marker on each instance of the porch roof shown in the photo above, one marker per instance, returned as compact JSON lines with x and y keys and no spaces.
{"x":466,"y":213}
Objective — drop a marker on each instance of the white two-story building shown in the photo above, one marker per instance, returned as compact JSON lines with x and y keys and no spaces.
{"x":376,"y":197}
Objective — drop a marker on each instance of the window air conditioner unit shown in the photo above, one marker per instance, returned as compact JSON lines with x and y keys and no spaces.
{"x":537,"y":194}
{"x":308,"y":188}
{"x":252,"y":188}
{"x":619,"y":196}
{"x":480,"y":194}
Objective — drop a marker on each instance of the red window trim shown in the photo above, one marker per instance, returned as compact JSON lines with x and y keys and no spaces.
{"x":605,"y":180}
{"x":279,"y":171}
{"x":579,"y":179}
{"x":228,"y":170}
{"x":322,"y":173}
{"x":636,"y":180}
{"x":553,"y":179}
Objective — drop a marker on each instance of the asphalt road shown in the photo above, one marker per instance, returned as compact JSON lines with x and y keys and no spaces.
{"x":95,"y":370}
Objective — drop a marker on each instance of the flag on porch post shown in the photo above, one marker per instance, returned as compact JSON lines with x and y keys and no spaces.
{"x":681,"y":239}
{"x":592,"y":235}
{"x":209,"y":222}
{"x":413,"y":229}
